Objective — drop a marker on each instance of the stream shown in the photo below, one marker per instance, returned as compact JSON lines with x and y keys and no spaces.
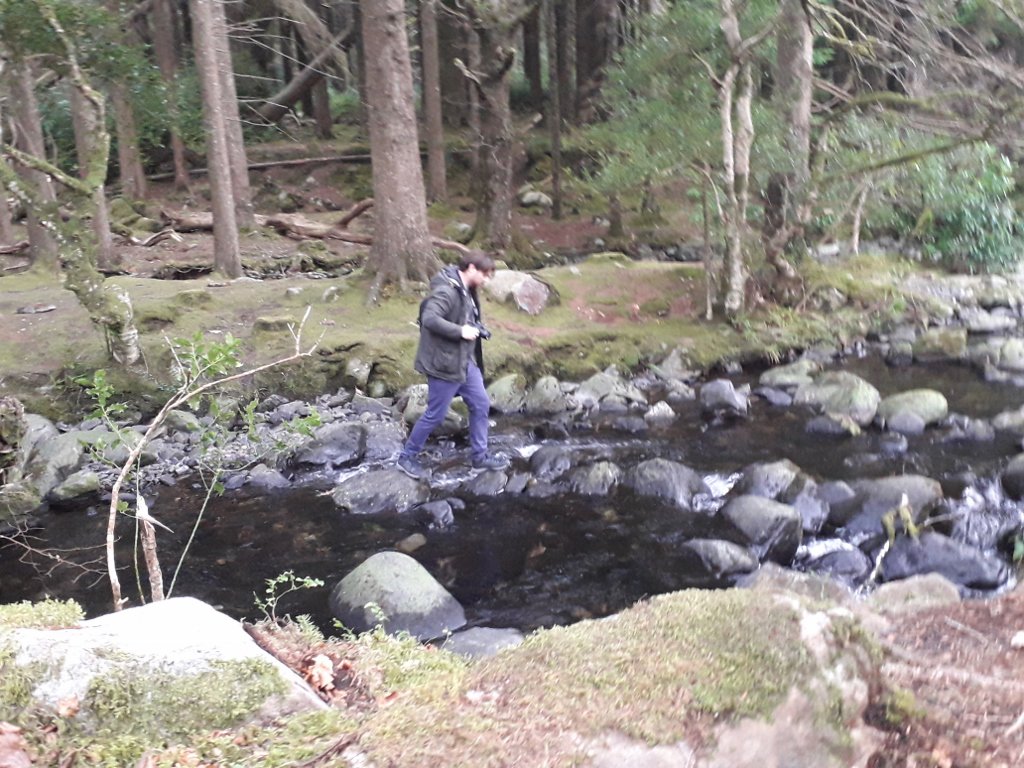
{"x":520,"y":560}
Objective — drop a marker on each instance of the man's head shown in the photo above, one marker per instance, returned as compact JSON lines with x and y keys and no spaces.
{"x":476,"y":268}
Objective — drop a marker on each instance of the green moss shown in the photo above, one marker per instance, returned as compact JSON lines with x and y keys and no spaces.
{"x":900,"y":707}
{"x":647,"y":673}
{"x":44,"y":614}
{"x":142,"y":702}
{"x":16,"y":684}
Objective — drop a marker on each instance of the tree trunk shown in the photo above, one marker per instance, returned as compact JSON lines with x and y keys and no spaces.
{"x":554,"y":112}
{"x":436,"y":174}
{"x":241,"y":192}
{"x":473,"y":114}
{"x":6,"y":218}
{"x":226,"y":257}
{"x":322,"y":110}
{"x":165,"y":47}
{"x":29,"y":127}
{"x":737,"y":138}
{"x":494,"y":212}
{"x":565,"y":55}
{"x":451,"y":38}
{"x":401,"y":247}
{"x":129,"y":161}
{"x":531,"y":59}
{"x":595,"y":42}
{"x":87,"y":132}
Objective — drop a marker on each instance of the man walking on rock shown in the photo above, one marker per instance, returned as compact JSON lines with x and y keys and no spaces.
{"x":450,"y":355}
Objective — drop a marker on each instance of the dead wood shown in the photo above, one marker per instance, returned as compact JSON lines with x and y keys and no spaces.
{"x":355,"y":210}
{"x":18,"y":247}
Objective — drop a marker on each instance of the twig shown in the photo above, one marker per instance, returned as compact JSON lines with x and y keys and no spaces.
{"x":1017,"y":725}
{"x":966,"y":630}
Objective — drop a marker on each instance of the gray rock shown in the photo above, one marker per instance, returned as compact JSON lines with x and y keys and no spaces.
{"x":1012,"y":478}
{"x":666,"y":479}
{"x":508,"y":394}
{"x":546,"y":398}
{"x":915,"y":593}
{"x":790,"y":376}
{"x":721,"y":395}
{"x":183,"y":421}
{"x":79,"y":483}
{"x":905,"y":423}
{"x":679,"y":392}
{"x":551,"y":461}
{"x":529,"y":293}
{"x":928,"y":404}
{"x":877,"y":497}
{"x":773,"y":530}
{"x":396,"y":592}
{"x":482,"y":642}
{"x":1011,"y":356}
{"x":262,"y":476}
{"x":1011,"y":421}
{"x":979,"y":320}
{"x":722,"y":559}
{"x":162,"y":648}
{"x":768,"y":479}
{"x":607,"y":385}
{"x":436,"y":514}
{"x":339,"y":444}
{"x":840,"y":393}
{"x":938,"y":344}
{"x":931,"y":552}
{"x":840,"y":561}
{"x":660,"y":414}
{"x":675,"y":368}
{"x":597,"y":479}
{"x":380,"y":490}
{"x":384,"y":439}
{"x":900,"y":353}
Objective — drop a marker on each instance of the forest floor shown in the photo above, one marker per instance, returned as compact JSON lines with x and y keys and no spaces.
{"x":966,"y":679}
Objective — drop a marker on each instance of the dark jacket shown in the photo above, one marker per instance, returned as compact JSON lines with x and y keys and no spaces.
{"x":442,"y":352}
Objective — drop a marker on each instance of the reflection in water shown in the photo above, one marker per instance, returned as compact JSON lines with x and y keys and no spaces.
{"x":517,"y":560}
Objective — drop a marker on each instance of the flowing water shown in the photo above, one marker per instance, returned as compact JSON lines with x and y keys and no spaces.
{"x":514,"y":559}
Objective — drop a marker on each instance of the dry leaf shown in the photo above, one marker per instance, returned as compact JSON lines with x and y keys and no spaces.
{"x":68,"y":707}
{"x":320,"y":673}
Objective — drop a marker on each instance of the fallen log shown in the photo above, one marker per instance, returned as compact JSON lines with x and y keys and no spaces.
{"x":295,"y":226}
{"x":18,"y":247}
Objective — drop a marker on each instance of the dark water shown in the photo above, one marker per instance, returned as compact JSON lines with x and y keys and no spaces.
{"x":512,"y":560}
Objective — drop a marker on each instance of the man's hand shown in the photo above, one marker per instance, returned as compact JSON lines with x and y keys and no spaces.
{"x":470,"y":332}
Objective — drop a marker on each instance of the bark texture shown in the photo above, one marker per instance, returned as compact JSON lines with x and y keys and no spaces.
{"x":437,"y":188}
{"x":165,"y":39}
{"x":401,"y":247}
{"x":226,"y":257}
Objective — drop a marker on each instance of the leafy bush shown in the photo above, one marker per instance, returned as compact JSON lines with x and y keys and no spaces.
{"x":961,"y":210}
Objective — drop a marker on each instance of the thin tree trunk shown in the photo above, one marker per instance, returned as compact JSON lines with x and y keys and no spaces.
{"x":531,"y":59}
{"x":164,"y":45}
{"x":451,"y":37}
{"x":565,"y":54}
{"x":401,"y":246}
{"x":85,"y":122}
{"x":595,"y":25}
{"x":322,"y":110}
{"x":241,"y":191}
{"x":437,"y":188}
{"x":129,"y":161}
{"x":473,"y":115}
{"x":226,"y":258}
{"x":554,"y":113}
{"x":6,"y":219}
{"x":29,"y":139}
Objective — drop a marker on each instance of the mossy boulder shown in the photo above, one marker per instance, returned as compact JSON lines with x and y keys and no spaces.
{"x":927,"y":404}
{"x":841,"y":393}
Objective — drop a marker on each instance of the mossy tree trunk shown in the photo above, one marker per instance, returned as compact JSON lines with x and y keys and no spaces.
{"x":108,"y":305}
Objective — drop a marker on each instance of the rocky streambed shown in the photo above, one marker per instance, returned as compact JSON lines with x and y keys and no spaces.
{"x":897,"y":457}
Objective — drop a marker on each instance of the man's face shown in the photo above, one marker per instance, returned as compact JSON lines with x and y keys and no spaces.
{"x":475,"y":277}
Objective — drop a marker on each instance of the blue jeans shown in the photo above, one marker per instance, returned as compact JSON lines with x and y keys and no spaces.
{"x":440,"y":394}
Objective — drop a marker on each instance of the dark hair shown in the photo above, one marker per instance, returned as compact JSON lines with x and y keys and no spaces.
{"x":482,"y":261}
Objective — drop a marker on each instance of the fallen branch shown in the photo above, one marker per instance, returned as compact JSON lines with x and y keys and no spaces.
{"x":297,"y":226}
{"x":355,"y":210}
{"x":18,"y":247}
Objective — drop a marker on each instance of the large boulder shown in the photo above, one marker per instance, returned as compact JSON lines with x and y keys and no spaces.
{"x":379,"y":490}
{"x":841,"y":393}
{"x":163,"y":671}
{"x":597,"y":479}
{"x":667,"y":480}
{"x":508,"y":394}
{"x":608,"y":385}
{"x":1012,"y":478}
{"x":792,"y":375}
{"x":528,"y":292}
{"x":394,"y":591}
{"x":940,"y":344}
{"x":722,"y":396}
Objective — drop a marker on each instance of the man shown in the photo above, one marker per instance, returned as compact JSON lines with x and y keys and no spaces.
{"x":450,"y":355}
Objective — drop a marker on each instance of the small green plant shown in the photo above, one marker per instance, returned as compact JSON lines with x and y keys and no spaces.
{"x":279,"y":586}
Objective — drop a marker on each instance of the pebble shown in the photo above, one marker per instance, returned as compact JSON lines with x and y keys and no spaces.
{"x":1017,"y":641}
